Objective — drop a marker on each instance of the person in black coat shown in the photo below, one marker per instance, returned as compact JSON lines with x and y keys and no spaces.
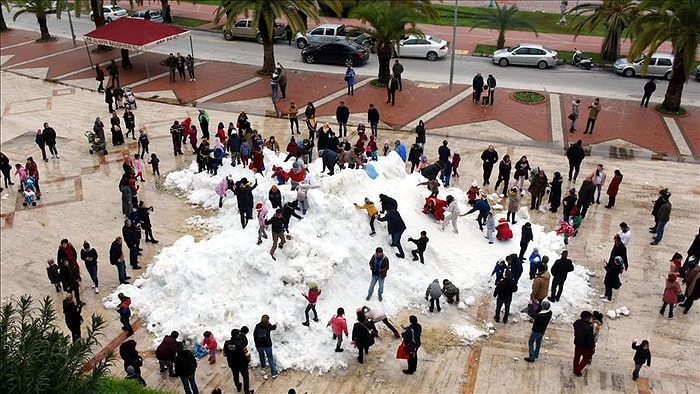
{"x":373,"y":119}
{"x":504,"y":295}
{"x":694,"y":249}
{"x":420,"y":134}
{"x":569,"y":204}
{"x":131,"y":239}
{"x":388,"y":203}
{"x":649,"y":88}
{"x":72,"y":315}
{"x":130,"y":356}
{"x":539,"y":325}
{"x":238,"y":358}
{"x":575,"y":154}
{"x":584,"y":342}
{"x":525,"y":239}
{"x":414,"y":156}
{"x":395,"y":227}
{"x":444,"y":152}
{"x":478,"y":86}
{"x":244,"y":197}
{"x":504,"y":168}
{"x":41,"y":143}
{"x":288,"y":211}
{"x":275,"y":197}
{"x":641,"y":355}
{"x":586,"y":196}
{"x":516,"y":266}
{"x":342,"y":114}
{"x":329,"y":158}
{"x":612,"y":277}
{"x":489,"y":158}
{"x":655,"y":210}
{"x":185,"y":368}
{"x":555,"y":192}
{"x":276,"y":223}
{"x":559,"y":271}
{"x":362,"y":336}
{"x":411,"y":342}
{"x":70,"y":280}
{"x":618,"y":249}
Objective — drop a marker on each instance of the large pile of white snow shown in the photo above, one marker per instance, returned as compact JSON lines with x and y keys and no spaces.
{"x":227,"y":281}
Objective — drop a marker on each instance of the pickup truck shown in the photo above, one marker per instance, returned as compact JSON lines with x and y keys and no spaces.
{"x":244,"y":29}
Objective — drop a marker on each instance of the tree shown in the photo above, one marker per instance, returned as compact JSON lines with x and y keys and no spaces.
{"x":677,"y":21}
{"x":389,"y":22}
{"x":616,"y":15}
{"x":504,"y":19}
{"x":36,"y":357}
{"x":265,"y":12}
{"x":38,"y":8}
{"x":3,"y":24}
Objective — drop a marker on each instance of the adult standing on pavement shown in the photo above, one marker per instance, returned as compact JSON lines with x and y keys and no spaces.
{"x":573,"y":116}
{"x":539,"y":326}
{"x":5,"y":168}
{"x":166,"y":352}
{"x":176,"y":136}
{"x":342,"y":114}
{"x":420,"y":134}
{"x":478,"y":86}
{"x":89,"y":256}
{"x":692,"y":288}
{"x":373,"y":119}
{"x":116,"y":258}
{"x":613,"y":270}
{"x":33,"y":170}
{"x":664,"y":215}
{"x":584,"y":342}
{"x":694,"y":249}
{"x":109,"y":99}
{"x":391,"y":87}
{"x":129,"y":123}
{"x":180,"y":65}
{"x":189,"y":63}
{"x":489,"y":157}
{"x":575,"y":154}
{"x":131,"y":240}
{"x":504,"y":168}
{"x":70,"y":278}
{"x":560,"y":270}
{"x":66,"y":251}
{"x":625,"y":233}
{"x":238,"y":358}
{"x":618,"y":249}
{"x":378,"y":266}
{"x":444,"y":152}
{"x":655,"y":209}
{"x":203,"y":119}
{"x":613,"y":189}
{"x":491,"y":83}
{"x":49,"y":135}
{"x":185,"y":368}
{"x":41,"y":143}
{"x":593,"y":111}
{"x":350,"y":80}
{"x":99,"y":129}
{"x":411,"y":342}
{"x":113,"y":75}
{"x":282,"y":80}
{"x":585,"y":196}
{"x":72,"y":315}
{"x":598,"y":178}
{"x":540,"y":284}
{"x":263,"y":342}
{"x":649,"y":88}
{"x":171,"y":62}
{"x":397,"y":70}
{"x":100,"y":77}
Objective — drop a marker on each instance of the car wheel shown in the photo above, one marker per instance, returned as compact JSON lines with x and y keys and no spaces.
{"x":301,"y":43}
{"x":432,"y":56}
{"x":309,"y":58}
{"x":228,"y":35}
{"x":348,"y":62}
{"x":503,"y":62}
{"x":628,"y":72}
{"x":259,"y":38}
{"x":667,"y":76}
{"x":542,"y":65}
{"x":92,"y":18}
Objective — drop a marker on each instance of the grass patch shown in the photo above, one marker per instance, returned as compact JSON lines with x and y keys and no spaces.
{"x":543,"y":22}
{"x":188,"y":22}
{"x":681,"y":111}
{"x":528,"y":97}
{"x":485,"y":49}
{"x":121,"y":386}
{"x":207,"y":2}
{"x":375,"y":82}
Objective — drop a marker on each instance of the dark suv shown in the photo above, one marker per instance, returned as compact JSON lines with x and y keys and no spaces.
{"x":342,"y":52}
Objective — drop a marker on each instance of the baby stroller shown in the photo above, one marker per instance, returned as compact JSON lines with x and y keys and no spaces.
{"x":29,"y":191}
{"x":129,"y":99}
{"x":96,"y":144}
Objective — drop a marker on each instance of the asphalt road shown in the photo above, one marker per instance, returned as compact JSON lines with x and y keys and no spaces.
{"x":562,"y":79}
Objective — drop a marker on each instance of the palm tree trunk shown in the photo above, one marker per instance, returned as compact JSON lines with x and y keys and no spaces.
{"x":43,"y":26}
{"x":674,"y":92}
{"x":3,"y":24}
{"x":610,"y":50}
{"x":384,"y":52}
{"x":501,"y":40}
{"x":165,"y":9}
{"x":97,"y":15}
{"x":268,"y":47}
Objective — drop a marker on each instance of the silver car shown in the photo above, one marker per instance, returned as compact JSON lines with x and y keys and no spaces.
{"x":526,"y":55}
{"x":154,"y":15}
{"x":660,"y":65}
{"x":322,"y":33}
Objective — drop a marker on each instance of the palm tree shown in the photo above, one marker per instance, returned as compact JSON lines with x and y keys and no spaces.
{"x":616,"y":15}
{"x":264,"y":14}
{"x":389,"y":22}
{"x":38,"y":8}
{"x":3,"y":24}
{"x":504,"y":19}
{"x":677,"y":21}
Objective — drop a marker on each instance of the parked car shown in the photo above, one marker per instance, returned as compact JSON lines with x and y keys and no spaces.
{"x":365,"y":40}
{"x":660,"y":65}
{"x":111,"y":13}
{"x":155,"y":15}
{"x":319,"y":34}
{"x":244,"y":29}
{"x":428,"y":47}
{"x":697,"y":72}
{"x":342,"y":52}
{"x":526,"y":55}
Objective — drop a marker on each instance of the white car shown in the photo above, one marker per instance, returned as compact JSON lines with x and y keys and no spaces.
{"x":111,"y":13}
{"x":428,"y":47}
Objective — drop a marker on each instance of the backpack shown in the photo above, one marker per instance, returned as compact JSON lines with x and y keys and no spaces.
{"x":260,"y":334}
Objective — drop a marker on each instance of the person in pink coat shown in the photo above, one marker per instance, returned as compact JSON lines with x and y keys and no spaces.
{"x":222,"y":187}
{"x":338,"y":326}
{"x":262,"y":213}
{"x":209,"y":343}
{"x":138,"y":166}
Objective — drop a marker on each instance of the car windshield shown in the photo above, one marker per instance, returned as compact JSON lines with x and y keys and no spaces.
{"x":117,"y":8}
{"x":511,"y":49}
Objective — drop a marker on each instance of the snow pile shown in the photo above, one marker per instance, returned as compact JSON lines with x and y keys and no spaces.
{"x":227,"y":281}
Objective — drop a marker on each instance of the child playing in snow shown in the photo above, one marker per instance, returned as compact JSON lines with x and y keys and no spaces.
{"x":490,"y":227}
{"x":154,"y":164}
{"x":209,"y":343}
{"x":138,"y":166}
{"x":371,"y":212}
{"x":423,"y":163}
{"x":279,"y":174}
{"x":338,"y":326}
{"x":53,"y":274}
{"x":456,"y":159}
{"x":498,"y":270}
{"x":434,"y":292}
{"x":534,"y":259}
{"x":450,"y":291}
{"x":302,"y":191}
{"x":421,"y":244}
{"x":566,"y":230}
{"x":386,"y":148}
{"x":262,"y":213}
{"x":473,"y":192}
{"x":312,"y":297}
{"x":641,"y":355}
{"x":503,"y":231}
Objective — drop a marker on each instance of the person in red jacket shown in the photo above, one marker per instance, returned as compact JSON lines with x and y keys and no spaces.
{"x":613,"y":188}
{"x":292,"y":149}
{"x":503,"y":231}
{"x":312,"y":297}
{"x":166,"y":352}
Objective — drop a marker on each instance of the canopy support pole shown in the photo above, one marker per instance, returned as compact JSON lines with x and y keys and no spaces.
{"x":89,"y":56}
{"x":145,"y":61}
{"x":191,"y":46}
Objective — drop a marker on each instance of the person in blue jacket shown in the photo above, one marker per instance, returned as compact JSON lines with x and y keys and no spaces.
{"x":400,"y":149}
{"x":483,"y":207}
{"x":396,"y":227}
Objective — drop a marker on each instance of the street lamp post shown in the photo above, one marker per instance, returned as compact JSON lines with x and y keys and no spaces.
{"x":72,"y":32}
{"x":454,"y":39}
